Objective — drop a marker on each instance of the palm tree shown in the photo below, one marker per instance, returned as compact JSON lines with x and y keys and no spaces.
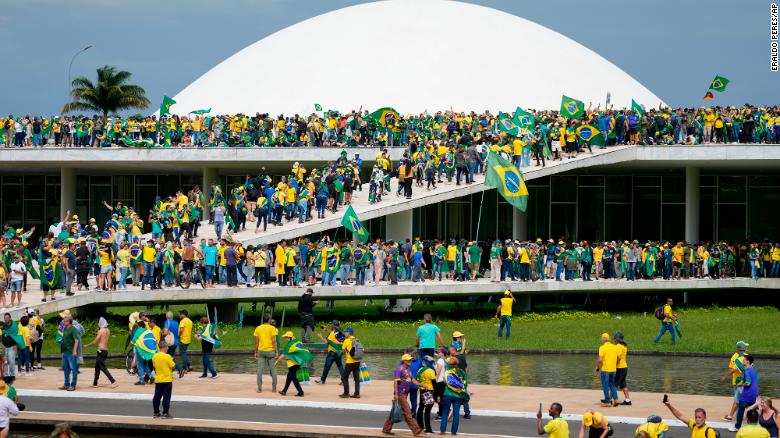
{"x":111,"y":93}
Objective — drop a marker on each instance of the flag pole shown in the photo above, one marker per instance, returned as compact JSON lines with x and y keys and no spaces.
{"x":479,"y":216}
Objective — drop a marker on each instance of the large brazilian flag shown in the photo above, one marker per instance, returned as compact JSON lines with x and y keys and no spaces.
{"x":507,"y":124}
{"x":381,"y":114}
{"x":507,"y":179}
{"x":571,"y":108}
{"x":351,"y":222}
{"x":145,"y":343}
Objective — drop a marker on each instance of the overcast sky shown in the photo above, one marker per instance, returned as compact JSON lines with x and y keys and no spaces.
{"x":673,"y":47}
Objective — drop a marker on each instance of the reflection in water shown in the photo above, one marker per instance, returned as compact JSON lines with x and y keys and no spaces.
{"x":688,"y":375}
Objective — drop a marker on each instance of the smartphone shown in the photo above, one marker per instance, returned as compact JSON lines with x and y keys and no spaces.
{"x":540,"y":407}
{"x":666,"y":399}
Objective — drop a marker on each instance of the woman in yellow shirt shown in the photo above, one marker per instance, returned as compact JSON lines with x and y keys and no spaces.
{"x":106,"y":256}
{"x":261,"y":265}
{"x":424,"y":379}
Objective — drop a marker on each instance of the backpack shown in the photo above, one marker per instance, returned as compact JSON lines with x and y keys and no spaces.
{"x":707,"y":430}
{"x":357,"y":350}
{"x":659,"y":313}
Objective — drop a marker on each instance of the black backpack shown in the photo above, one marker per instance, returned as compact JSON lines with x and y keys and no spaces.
{"x":659,"y":313}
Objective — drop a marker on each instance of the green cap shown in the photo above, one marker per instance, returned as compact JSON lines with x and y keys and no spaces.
{"x":742,"y":345}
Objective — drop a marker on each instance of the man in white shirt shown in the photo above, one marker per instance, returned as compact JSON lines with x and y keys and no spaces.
{"x":18,"y":270}
{"x":8,"y":408}
{"x":56,"y":227}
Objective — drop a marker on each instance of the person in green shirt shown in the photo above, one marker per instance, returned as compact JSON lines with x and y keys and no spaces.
{"x":69,"y":349}
{"x":346,"y":258}
{"x":475,"y":255}
{"x":495,"y":261}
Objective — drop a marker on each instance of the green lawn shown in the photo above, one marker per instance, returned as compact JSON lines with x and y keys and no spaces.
{"x":706,"y":330}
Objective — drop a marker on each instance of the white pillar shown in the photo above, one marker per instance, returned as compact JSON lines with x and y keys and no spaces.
{"x":68,"y":191}
{"x":210,"y":176}
{"x":519,"y":225}
{"x":398,"y":226}
{"x":692,"y":175}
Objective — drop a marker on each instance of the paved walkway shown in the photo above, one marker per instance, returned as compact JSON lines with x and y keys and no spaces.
{"x":487,"y":400}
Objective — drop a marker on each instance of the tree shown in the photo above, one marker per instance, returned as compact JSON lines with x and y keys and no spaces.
{"x":112,"y":93}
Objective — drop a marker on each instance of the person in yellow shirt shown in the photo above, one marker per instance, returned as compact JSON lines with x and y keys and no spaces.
{"x":335,"y":341}
{"x":555,"y":428}
{"x":352,"y":365}
{"x":266,"y":351}
{"x":424,"y":379}
{"x":122,"y":265}
{"x":653,"y":428}
{"x":598,"y":424}
{"x":185,"y":339}
{"x":735,"y":371}
{"x":292,"y":345}
{"x":163,"y":385}
{"x":667,"y":324}
{"x":156,"y":330}
{"x":677,"y":260}
{"x":504,"y":313}
{"x":697,"y":424}
{"x":280,"y":256}
{"x":148,"y":257}
{"x":606,"y":366}
{"x":106,"y":257}
{"x":622,"y":366}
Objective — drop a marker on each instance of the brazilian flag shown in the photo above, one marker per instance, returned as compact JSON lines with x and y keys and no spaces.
{"x":507,"y":124}
{"x":524,"y":119}
{"x":144,"y":143}
{"x":145,"y":343}
{"x":201,"y":111}
{"x":719,"y":84}
{"x":332,"y":259}
{"x":13,"y":332}
{"x":637,"y":107}
{"x":294,"y":351}
{"x":381,"y":116}
{"x":361,"y":255}
{"x":50,"y":271}
{"x":165,"y":106}
{"x":507,"y":179}
{"x":351,"y":222}
{"x":591,"y":135}
{"x":572,"y":108}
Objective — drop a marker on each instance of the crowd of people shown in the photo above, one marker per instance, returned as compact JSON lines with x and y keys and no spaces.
{"x":636,"y":125}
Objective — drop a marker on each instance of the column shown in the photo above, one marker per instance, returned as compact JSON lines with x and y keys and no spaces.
{"x":210,"y":176}
{"x":519,"y":225}
{"x":226,"y":312}
{"x":398,"y":226}
{"x":692,"y":204}
{"x":68,"y":192}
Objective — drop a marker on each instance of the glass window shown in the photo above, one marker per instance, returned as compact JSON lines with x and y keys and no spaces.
{"x":487,"y":217}
{"x":707,"y":214}
{"x":731,"y":189}
{"x":538,"y":212}
{"x":564,"y":188}
{"x":96,"y":207}
{"x":590,"y":214}
{"x":145,"y":201}
{"x":82,"y":209}
{"x":617,"y":222}
{"x":763,"y":211}
{"x":188,"y":181}
{"x":100,"y":180}
{"x":731,"y":222}
{"x":12,"y":180}
{"x":764,"y":181}
{"x":146,"y":179}
{"x":34,"y":187}
{"x":563,"y":221}
{"x":651,"y":181}
{"x":168,"y":184}
{"x":123,"y":186}
{"x":458,"y":220}
{"x":618,"y":189}
{"x":82,"y":186}
{"x":34,"y":212}
{"x":647,"y":213}
{"x":505,"y":225}
{"x":426,"y":222}
{"x":591,"y":180}
{"x":543,"y":181}
{"x":673,"y":222}
{"x":707,"y":180}
{"x":52,"y":179}
{"x":674,"y":188}
{"x":12,"y":204}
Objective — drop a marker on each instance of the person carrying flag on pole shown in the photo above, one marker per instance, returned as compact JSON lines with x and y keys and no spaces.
{"x":296,"y":356}
{"x":209,"y":341}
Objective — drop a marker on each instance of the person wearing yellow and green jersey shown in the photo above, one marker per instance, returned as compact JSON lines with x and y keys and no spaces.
{"x":351,"y":365}
{"x":621,"y":371}
{"x":606,"y":366}
{"x":148,"y":257}
{"x":185,"y":339}
{"x":122,"y":265}
{"x":698,"y":424}
{"x":667,"y":324}
{"x":555,"y":428}
{"x":335,"y":341}
{"x":504,"y":313}
{"x":736,"y":370}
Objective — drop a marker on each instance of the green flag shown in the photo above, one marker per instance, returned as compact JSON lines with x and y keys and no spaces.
{"x":591,"y":135}
{"x":200,"y":111}
{"x":317,"y":107}
{"x":719,"y":83}
{"x":508,"y":125}
{"x":351,"y":222}
{"x":637,"y":107}
{"x":507,"y":179}
{"x":524,"y":119}
{"x":380,"y":116}
{"x":165,"y":106}
{"x":571,"y":108}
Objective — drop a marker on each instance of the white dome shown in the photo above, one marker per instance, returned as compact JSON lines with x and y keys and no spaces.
{"x":413,"y":55}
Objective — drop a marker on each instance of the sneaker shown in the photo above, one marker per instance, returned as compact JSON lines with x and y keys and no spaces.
{"x":467,"y":416}
{"x":732,"y":429}
{"x":626,"y":403}
{"x":343,"y":395}
{"x":300,"y":394}
{"x":214,"y":377}
{"x":319,"y":382}
{"x":156,"y":415}
{"x":166,"y":416}
{"x":282,"y":393}
{"x":354,"y":396}
{"x":72,"y":388}
{"x":181,"y":373}
{"x":728,"y":418}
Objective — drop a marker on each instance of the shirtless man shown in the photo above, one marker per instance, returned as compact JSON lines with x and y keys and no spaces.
{"x":101,"y":340}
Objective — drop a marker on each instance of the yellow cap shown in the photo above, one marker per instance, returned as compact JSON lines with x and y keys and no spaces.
{"x":587,"y":419}
{"x":288,"y":335}
{"x":75,"y":217}
{"x":560,"y":242}
{"x":406,"y":357}
{"x":605,"y":336}
{"x":507,"y":293}
{"x":457,"y":334}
